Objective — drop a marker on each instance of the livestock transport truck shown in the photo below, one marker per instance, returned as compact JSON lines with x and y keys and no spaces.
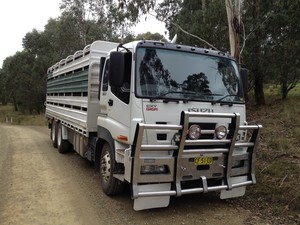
{"x":167,"y":119}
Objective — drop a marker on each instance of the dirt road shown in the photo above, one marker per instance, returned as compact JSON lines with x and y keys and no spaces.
{"x":40,"y":186}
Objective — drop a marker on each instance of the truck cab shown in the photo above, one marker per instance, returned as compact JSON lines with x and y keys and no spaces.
{"x":176,"y":115}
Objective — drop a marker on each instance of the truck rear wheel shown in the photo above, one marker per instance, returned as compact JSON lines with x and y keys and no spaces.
{"x":54,"y":133}
{"x":108,"y":166}
{"x":63,"y":146}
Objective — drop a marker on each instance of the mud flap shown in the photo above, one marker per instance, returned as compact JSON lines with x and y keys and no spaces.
{"x":235,"y":192}
{"x":142,"y":203}
{"x":64,"y":132}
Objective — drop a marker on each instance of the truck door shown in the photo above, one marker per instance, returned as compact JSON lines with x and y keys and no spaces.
{"x":114,"y":101}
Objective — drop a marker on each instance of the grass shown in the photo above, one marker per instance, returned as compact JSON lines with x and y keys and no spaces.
{"x":277,"y":192}
{"x":8,"y":115}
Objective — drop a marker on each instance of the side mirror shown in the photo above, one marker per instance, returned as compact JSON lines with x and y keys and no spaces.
{"x":244,"y":77}
{"x":119,"y":68}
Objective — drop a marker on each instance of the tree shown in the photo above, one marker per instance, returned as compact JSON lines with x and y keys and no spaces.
{"x":197,"y":83}
{"x":23,"y":77}
{"x":9,"y":81}
{"x":273,"y":43}
{"x":24,"y":83}
{"x":282,"y":45}
{"x":233,"y":9}
{"x":96,"y":19}
{"x":3,"y":88}
{"x":258,"y":74}
{"x":151,"y":36}
{"x":204,"y":22}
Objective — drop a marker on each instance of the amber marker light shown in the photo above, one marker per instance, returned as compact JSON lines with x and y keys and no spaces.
{"x":122,"y":138}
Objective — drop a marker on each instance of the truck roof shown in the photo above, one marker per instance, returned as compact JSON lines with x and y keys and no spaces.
{"x":180,"y":47}
{"x":106,"y":47}
{"x":91,"y":50}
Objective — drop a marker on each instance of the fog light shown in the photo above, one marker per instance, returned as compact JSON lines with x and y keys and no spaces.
{"x":194,"y":132}
{"x":154,"y":169}
{"x":220,"y":132}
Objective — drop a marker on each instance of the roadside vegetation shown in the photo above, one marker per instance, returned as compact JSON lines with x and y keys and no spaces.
{"x":276,"y":195}
{"x":10,"y":116}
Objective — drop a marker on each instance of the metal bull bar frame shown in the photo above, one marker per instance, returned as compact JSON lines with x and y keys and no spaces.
{"x":174,"y":162}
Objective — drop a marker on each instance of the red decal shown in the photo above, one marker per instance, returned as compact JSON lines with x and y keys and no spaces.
{"x":151,"y":108}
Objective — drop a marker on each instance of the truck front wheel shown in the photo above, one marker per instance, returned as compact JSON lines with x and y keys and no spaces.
{"x":108,"y":166}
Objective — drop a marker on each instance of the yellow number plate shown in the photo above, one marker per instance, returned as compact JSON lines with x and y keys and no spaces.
{"x":203,"y":161}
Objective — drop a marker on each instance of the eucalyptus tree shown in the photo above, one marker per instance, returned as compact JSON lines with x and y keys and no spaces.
{"x":273,"y":43}
{"x":23,"y":82}
{"x":150,"y":36}
{"x":213,"y":24}
{"x":282,"y":43}
{"x":96,"y":19}
{"x":3,"y":88}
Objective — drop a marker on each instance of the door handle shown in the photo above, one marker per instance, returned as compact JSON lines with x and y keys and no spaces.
{"x":110,"y":102}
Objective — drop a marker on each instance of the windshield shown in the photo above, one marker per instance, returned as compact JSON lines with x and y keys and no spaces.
{"x":169,"y":74}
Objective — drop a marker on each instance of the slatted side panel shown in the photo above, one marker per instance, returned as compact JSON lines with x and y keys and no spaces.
{"x":67,"y":98}
{"x":73,"y":82}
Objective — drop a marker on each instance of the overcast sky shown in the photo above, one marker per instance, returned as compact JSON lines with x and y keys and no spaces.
{"x":18,"y":17}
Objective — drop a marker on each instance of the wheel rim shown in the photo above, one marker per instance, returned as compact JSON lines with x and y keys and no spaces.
{"x":105,"y":167}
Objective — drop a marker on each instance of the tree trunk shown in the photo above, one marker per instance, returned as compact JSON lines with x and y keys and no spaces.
{"x":233,"y":16}
{"x":258,"y":75}
{"x":284,"y":89}
{"x":229,"y":10}
{"x":15,"y":104}
{"x":204,"y":9}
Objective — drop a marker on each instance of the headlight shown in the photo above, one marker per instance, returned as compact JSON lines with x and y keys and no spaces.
{"x":194,"y":132}
{"x":220,"y":132}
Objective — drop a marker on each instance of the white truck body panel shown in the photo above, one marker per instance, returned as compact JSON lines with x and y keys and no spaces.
{"x":77,"y":105}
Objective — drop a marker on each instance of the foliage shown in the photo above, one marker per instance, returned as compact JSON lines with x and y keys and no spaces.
{"x":270,"y":46}
{"x":275,"y":32}
{"x":151,"y":36}
{"x":10,"y":116}
{"x":133,"y":8}
{"x":23,"y":76}
{"x":282,"y":45}
{"x":209,"y":21}
{"x":23,"y":83}
{"x":278,"y":157}
{"x":88,"y":20}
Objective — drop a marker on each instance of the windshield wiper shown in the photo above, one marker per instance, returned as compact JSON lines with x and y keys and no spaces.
{"x":176,"y":92}
{"x":223,"y":97}
{"x":201,"y":96}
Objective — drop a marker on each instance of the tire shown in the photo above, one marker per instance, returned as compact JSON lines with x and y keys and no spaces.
{"x":53,"y":134}
{"x":63,"y":146}
{"x":108,"y":165}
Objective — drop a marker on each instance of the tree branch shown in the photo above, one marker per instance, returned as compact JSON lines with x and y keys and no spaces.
{"x":184,"y":31}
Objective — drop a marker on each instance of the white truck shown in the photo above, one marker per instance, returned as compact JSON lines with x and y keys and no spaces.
{"x":166,"y":119}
